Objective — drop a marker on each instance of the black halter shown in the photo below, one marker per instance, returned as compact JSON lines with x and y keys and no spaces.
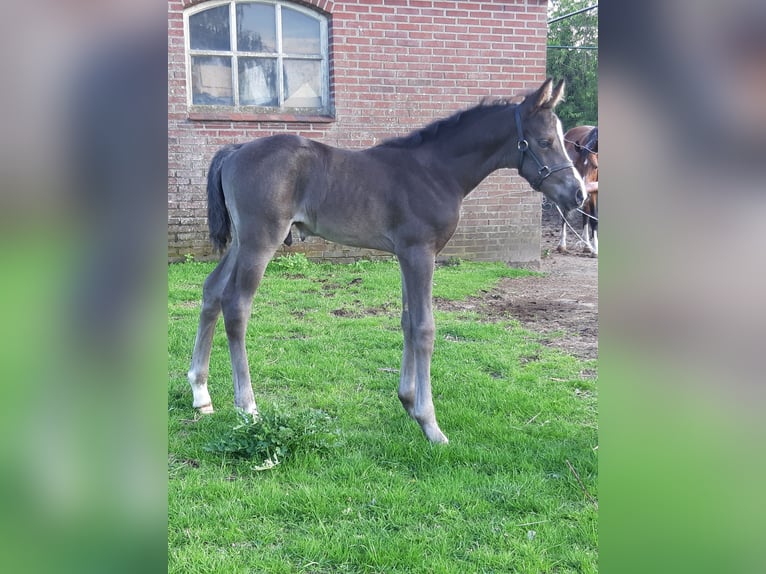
{"x":523,"y":146}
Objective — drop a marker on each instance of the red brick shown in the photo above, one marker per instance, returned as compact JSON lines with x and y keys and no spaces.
{"x":396,"y":66}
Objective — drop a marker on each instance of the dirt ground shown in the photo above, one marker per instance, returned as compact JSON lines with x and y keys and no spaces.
{"x":565,"y":300}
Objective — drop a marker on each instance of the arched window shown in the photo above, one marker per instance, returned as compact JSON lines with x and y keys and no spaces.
{"x":266,"y":56}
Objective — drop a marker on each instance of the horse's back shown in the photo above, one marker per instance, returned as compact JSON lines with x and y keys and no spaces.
{"x":360,"y":198}
{"x":273,"y":161}
{"x":276,"y":147}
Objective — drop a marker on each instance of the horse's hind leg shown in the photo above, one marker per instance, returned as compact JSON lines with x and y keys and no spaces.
{"x":211,"y":309}
{"x":236,"y":302}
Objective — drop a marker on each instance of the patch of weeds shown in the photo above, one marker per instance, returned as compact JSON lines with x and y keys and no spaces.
{"x":291,"y":263}
{"x":274,"y":435}
{"x":451,"y":262}
{"x":361,"y":264}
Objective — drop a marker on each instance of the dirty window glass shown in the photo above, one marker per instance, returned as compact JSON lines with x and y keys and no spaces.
{"x":268,"y":54}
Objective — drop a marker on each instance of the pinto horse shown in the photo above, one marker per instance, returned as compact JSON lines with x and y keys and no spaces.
{"x":582,"y":146}
{"x":402,"y":196}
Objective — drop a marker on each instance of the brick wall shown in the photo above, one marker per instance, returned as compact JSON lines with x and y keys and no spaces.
{"x":395,"y":66}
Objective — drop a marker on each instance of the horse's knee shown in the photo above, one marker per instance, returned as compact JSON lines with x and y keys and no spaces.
{"x":424,"y":330}
{"x":423,"y":337}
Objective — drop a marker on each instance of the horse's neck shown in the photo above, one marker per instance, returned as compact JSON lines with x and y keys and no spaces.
{"x":471,"y":159}
{"x":471,"y":169}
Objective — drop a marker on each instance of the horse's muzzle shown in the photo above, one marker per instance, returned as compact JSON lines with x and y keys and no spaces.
{"x":573,"y":199}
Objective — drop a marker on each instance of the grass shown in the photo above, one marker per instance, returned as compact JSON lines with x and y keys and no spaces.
{"x":378,"y":497}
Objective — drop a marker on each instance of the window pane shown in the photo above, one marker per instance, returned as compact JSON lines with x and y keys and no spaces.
{"x":300,"y":33}
{"x":303,"y":84}
{"x":211,"y":80}
{"x":209,"y":30}
{"x":256,"y":28}
{"x":258,"y":82}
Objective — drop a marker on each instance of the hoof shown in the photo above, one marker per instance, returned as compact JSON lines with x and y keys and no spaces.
{"x":205,"y":409}
{"x":251,"y":409}
{"x":435,"y":435}
{"x":441,"y":438}
{"x":561,"y":249}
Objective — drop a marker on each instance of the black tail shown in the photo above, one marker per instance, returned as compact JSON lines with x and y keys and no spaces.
{"x":218,"y":219}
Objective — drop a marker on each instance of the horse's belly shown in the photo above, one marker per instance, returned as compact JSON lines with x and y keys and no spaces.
{"x":356,"y":238}
{"x":345,"y":233}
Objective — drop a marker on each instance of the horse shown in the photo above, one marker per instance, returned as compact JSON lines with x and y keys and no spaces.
{"x":581,"y":144}
{"x":402,"y":196}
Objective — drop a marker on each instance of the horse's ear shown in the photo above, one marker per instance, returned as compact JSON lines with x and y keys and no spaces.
{"x":556,"y":96}
{"x":542,"y":95}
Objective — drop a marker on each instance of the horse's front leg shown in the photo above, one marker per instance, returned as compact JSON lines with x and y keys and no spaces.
{"x":587,"y":247}
{"x":562,"y":246}
{"x":590,"y":236}
{"x":407,"y":372}
{"x":417,"y":271}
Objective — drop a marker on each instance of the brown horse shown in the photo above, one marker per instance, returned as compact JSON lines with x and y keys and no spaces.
{"x":402,"y":196}
{"x":582,"y":146}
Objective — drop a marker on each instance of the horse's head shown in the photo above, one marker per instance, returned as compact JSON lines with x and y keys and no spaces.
{"x":586,"y":156}
{"x":542,"y":158}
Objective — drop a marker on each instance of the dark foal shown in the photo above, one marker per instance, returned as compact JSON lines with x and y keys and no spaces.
{"x":402,"y":196}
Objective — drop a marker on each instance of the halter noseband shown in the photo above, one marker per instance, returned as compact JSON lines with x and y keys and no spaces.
{"x":543,"y":170}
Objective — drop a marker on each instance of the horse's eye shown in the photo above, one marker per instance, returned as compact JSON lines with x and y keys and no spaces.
{"x":545,"y":143}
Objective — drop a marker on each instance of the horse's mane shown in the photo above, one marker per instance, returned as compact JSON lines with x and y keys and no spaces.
{"x":591,"y":142}
{"x":432,"y":130}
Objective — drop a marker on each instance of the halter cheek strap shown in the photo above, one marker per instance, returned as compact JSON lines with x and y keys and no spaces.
{"x":523,"y":146}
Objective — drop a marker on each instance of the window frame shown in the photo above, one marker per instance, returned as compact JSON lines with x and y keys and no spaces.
{"x":240,"y":112}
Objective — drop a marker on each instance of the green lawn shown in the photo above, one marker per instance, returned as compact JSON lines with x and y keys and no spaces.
{"x":499,"y":498}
